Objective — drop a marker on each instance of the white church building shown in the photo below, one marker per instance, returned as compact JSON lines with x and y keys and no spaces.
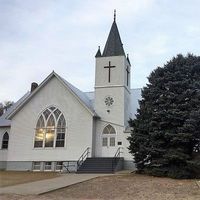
{"x":56,"y":126}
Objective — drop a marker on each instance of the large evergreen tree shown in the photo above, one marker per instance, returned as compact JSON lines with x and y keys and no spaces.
{"x":165,"y":140}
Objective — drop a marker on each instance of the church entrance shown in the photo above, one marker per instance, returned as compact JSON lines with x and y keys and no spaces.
{"x":108,"y":141}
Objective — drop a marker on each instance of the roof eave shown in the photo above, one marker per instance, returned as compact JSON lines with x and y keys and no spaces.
{"x":29,"y":97}
{"x":80,"y":101}
{"x":4,"y":126}
{"x":38,"y":88}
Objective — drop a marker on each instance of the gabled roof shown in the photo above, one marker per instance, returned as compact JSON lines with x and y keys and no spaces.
{"x":86,"y":97}
{"x":81,"y":97}
{"x":114,"y":46}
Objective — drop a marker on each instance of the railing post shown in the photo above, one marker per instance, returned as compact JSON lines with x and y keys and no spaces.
{"x":117,"y":154}
{"x":82,"y":157}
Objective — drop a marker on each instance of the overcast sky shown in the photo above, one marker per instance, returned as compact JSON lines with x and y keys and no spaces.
{"x":39,"y":36}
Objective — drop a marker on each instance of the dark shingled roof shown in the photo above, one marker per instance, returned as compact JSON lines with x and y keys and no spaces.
{"x":114,"y":46}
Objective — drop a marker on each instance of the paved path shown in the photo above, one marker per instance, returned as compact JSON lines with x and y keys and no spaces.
{"x":43,"y":186}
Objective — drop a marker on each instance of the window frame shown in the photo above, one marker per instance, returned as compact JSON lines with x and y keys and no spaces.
{"x":109,"y":133}
{"x":5,"y":140}
{"x":33,"y":167}
{"x":60,"y":166}
{"x":112,"y":141}
{"x":45,"y":165}
{"x":105,"y":141}
{"x":51,"y":112}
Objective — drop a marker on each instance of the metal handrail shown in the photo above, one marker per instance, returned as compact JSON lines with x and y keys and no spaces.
{"x":82,"y":158}
{"x":117,"y":155}
{"x":67,"y":166}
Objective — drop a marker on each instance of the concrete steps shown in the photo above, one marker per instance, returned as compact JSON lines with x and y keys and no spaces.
{"x":101,"y":165}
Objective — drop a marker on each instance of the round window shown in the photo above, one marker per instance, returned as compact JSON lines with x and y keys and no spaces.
{"x":109,"y":101}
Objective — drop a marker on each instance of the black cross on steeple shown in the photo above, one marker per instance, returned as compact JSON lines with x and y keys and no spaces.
{"x":109,"y":67}
{"x":128,"y":72}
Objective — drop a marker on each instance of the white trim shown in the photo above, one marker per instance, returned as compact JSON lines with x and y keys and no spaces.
{"x":48,"y":170}
{"x":113,"y":86}
{"x":111,"y":123}
{"x":105,"y":127}
{"x":37,"y":165}
{"x":109,"y":86}
{"x":26,"y":100}
{"x":72,"y":92}
{"x":55,"y":130}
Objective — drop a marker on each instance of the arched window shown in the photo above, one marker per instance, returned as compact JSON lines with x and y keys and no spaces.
{"x":109,"y":130}
{"x":5,"y":140}
{"x":60,"y":132}
{"x":39,"y":134}
{"x":50,"y":131}
{"x":50,"y":125}
{"x":109,"y":135}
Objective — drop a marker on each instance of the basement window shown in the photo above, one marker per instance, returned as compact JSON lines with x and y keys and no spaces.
{"x":59,"y":166}
{"x":36,"y":166}
{"x":47,"y":166}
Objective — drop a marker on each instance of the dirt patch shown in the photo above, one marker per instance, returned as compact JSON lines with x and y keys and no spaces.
{"x":8,"y":178}
{"x":124,"y":187}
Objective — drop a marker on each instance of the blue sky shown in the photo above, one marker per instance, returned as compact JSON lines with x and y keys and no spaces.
{"x":39,"y":36}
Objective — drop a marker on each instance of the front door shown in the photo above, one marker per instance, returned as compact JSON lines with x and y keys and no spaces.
{"x":108,"y":141}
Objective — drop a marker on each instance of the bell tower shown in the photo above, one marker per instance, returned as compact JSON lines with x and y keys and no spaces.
{"x":112,"y":80}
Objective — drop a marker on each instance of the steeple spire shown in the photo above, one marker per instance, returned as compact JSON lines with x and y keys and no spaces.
{"x":98,"y":54}
{"x":114,"y":15}
{"x":114,"y":46}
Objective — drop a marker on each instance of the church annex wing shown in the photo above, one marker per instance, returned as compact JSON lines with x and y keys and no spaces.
{"x":79,"y":95}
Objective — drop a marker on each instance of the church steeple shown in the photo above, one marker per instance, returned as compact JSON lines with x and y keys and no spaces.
{"x":113,"y":81}
{"x":114,"y":46}
{"x":114,"y":15}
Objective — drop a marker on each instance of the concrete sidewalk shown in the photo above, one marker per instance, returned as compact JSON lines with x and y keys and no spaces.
{"x":47,"y":185}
